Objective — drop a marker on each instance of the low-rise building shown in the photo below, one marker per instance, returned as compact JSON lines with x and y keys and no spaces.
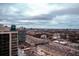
{"x":35,"y":41}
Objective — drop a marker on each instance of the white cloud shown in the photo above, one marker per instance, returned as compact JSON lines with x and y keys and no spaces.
{"x":36,"y":9}
{"x":32,"y":21}
{"x":39,"y":1}
{"x":12,"y":10}
{"x":65,"y":19}
{"x":9,"y":10}
{"x":33,"y":9}
{"x":5,"y":22}
{"x":41,"y":8}
{"x":59,"y":19}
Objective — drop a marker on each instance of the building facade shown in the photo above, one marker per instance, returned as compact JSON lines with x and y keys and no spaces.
{"x":9,"y":43}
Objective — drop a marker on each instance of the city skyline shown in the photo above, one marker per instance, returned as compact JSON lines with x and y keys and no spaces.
{"x":48,"y":15}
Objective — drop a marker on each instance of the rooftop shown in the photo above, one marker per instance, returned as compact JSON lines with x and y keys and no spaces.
{"x":7,"y":32}
{"x":33,"y":40}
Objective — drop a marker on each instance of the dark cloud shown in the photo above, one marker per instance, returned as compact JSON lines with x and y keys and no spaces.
{"x":69,"y":11}
{"x":66,"y":11}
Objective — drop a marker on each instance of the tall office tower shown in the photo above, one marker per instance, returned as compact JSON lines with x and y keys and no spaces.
{"x":8,"y":43}
{"x":22,"y":36}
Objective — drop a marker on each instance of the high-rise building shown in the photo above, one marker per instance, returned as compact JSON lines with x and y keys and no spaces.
{"x":13,"y":28}
{"x":9,"y":43}
{"x":21,"y":35}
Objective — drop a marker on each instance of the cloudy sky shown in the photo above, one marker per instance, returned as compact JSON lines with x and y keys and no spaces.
{"x":44,"y":15}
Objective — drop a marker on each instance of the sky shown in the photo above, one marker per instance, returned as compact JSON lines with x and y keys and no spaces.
{"x":40,"y":15}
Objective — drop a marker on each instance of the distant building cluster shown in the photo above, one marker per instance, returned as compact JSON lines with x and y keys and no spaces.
{"x":38,"y":42}
{"x":51,"y":43}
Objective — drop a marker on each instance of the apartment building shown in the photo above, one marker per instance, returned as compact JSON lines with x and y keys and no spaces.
{"x":8,"y":43}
